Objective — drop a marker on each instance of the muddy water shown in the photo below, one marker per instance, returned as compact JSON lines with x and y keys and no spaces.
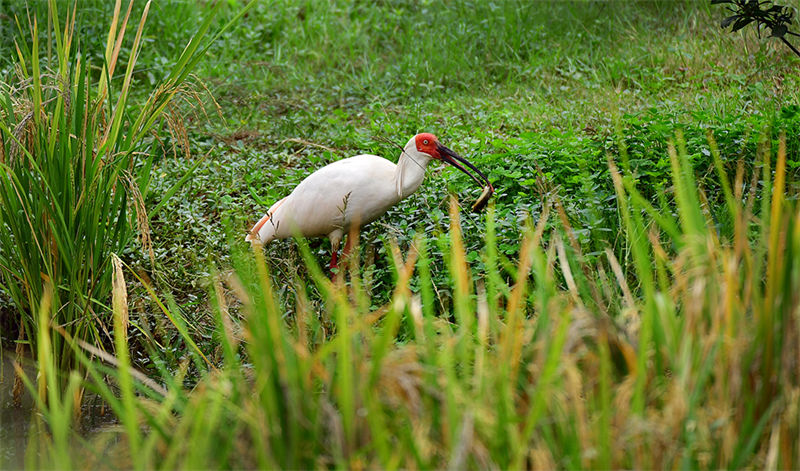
{"x":17,"y":422}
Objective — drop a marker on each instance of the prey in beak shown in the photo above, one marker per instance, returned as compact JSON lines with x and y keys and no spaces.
{"x":447,"y":155}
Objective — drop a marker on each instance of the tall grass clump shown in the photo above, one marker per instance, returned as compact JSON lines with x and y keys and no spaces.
{"x":75,"y":166}
{"x":683,"y":352}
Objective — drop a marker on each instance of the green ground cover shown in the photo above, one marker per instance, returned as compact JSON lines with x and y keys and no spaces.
{"x":535,"y":94}
{"x":540,"y":96}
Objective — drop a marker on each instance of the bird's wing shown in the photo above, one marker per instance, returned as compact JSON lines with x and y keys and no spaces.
{"x":357,"y":188}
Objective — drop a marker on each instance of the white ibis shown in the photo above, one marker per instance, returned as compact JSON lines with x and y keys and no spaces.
{"x":356,"y":190}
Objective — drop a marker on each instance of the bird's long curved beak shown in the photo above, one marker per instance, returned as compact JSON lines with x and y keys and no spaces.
{"x":453,"y":159}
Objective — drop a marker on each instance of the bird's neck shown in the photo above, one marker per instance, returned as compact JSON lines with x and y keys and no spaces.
{"x":410,"y":172}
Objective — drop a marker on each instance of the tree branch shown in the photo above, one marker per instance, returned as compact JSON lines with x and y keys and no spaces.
{"x":790,"y":46}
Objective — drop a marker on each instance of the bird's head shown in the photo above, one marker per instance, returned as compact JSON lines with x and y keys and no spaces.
{"x":428,"y":145}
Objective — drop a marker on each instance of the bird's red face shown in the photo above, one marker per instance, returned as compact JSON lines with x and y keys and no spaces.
{"x":429,"y":144}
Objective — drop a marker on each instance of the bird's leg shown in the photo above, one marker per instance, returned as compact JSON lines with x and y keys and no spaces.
{"x":334,"y":258}
{"x":346,"y":252}
{"x":348,"y":247}
{"x":352,"y":241}
{"x":334,"y":255}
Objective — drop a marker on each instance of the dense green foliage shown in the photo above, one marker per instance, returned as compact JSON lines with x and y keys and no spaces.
{"x":541,"y":96}
{"x":698,"y":369}
{"x":75,"y":167}
{"x":537,"y":103}
{"x":535,"y":94}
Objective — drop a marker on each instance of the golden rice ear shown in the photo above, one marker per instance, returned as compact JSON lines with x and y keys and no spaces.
{"x":119,"y":295}
{"x":142,"y":220}
{"x":481,"y":202}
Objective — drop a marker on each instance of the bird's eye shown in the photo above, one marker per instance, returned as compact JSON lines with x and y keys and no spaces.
{"x":425,"y":142}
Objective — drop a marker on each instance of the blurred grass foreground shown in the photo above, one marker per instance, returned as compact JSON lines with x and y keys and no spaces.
{"x":675,"y":346}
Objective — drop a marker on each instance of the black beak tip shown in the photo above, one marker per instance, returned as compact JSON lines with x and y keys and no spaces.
{"x":450,"y":157}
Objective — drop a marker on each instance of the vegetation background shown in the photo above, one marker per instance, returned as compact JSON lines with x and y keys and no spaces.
{"x":536,"y":93}
{"x":540,"y":96}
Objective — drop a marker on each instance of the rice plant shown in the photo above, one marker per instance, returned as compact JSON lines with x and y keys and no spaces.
{"x":75,"y":164}
{"x":684,"y":355}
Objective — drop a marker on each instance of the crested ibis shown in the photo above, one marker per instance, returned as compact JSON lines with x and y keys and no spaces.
{"x":356,"y":190}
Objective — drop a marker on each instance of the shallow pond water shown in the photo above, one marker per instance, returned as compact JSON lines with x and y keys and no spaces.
{"x":17,"y":422}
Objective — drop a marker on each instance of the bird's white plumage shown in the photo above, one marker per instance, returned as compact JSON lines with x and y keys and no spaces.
{"x":356,"y":190}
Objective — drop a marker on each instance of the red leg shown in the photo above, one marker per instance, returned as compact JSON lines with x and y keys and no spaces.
{"x":335,"y":239}
{"x":334,"y":258}
{"x":348,"y":247}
